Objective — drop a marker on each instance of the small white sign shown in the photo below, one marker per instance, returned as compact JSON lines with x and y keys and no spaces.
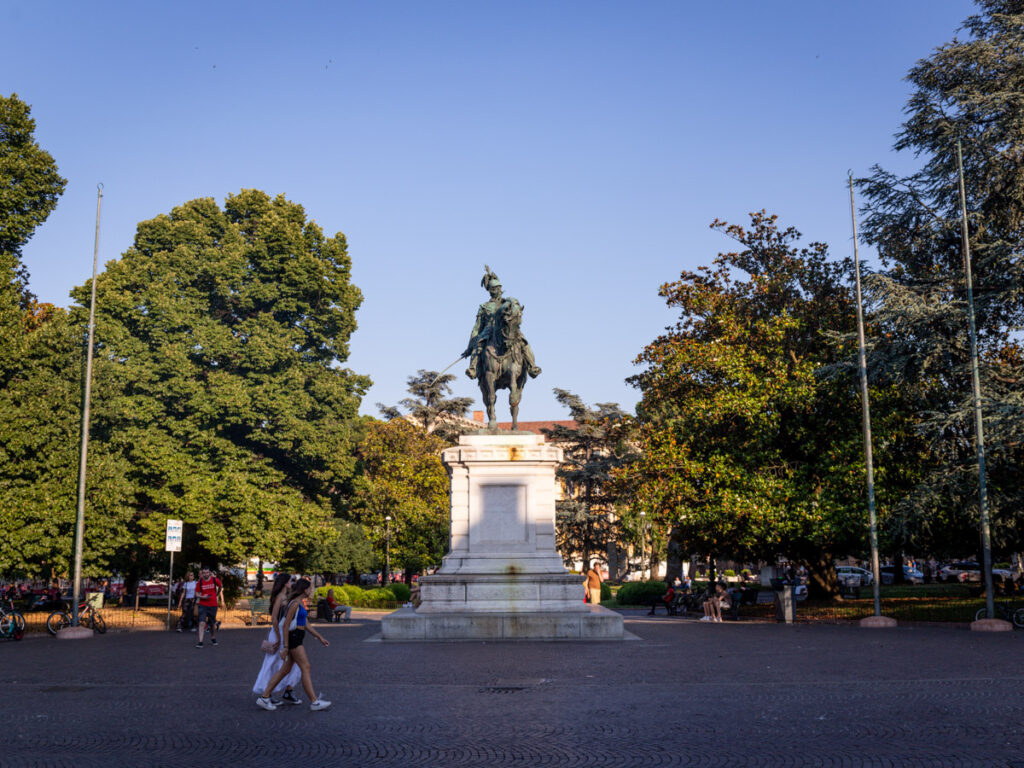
{"x":173,"y":543}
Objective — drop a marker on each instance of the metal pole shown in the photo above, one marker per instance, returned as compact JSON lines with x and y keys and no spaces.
{"x":170,"y":584}
{"x":986,"y":540}
{"x":643,"y":542}
{"x":80,"y":518}
{"x":866,"y":407}
{"x":387,"y":551}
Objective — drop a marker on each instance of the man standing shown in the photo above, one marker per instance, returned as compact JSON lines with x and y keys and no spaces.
{"x":594,"y":585}
{"x":209,"y":592}
{"x":187,"y":603}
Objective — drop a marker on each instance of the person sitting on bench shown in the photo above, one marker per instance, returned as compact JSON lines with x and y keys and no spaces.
{"x":715,"y":602}
{"x":337,"y":608}
{"x":664,"y":600}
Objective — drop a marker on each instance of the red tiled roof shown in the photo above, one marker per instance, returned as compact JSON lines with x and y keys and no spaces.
{"x":537,"y":426}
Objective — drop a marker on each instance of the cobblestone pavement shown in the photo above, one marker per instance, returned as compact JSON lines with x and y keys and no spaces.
{"x":686,"y":693}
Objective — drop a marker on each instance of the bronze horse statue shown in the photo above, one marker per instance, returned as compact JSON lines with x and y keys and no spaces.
{"x":503,"y":361}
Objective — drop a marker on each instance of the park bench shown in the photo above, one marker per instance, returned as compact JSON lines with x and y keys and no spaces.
{"x":259,"y":611}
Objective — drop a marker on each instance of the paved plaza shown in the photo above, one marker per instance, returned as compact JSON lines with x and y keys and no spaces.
{"x":685,"y":693}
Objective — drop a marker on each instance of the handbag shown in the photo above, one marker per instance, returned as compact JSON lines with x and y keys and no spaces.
{"x":268,"y":647}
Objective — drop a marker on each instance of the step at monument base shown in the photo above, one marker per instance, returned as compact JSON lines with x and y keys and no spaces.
{"x":594,"y":623}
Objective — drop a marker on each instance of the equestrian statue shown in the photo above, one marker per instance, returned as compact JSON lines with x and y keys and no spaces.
{"x":499,"y":355}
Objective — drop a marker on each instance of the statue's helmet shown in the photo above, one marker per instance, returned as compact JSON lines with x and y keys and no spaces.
{"x":490,"y":279}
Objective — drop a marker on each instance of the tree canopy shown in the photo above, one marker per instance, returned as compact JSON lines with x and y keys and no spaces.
{"x":746,"y":451}
{"x":401,"y":476}
{"x":430,"y":405}
{"x":970,"y":90}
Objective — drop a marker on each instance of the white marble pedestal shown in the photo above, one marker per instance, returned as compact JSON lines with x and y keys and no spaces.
{"x":503,"y":577}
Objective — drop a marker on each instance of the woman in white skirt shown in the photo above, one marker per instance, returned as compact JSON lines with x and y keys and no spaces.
{"x":272,"y":660}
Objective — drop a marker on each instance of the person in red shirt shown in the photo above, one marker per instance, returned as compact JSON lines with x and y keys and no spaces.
{"x":209,"y":593}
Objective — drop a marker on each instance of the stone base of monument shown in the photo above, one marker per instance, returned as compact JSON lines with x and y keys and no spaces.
{"x":503,"y":579}
{"x":593,"y":623}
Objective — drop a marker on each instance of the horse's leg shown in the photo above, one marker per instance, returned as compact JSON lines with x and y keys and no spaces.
{"x":515,"y":395}
{"x":488,"y":390}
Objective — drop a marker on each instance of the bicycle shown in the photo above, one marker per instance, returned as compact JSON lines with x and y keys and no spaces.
{"x":88,"y":616}
{"x":1004,"y":610}
{"x":12,"y":623}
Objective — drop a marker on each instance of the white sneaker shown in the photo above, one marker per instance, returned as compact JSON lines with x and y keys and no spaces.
{"x":319,"y":704}
{"x":265,"y":703}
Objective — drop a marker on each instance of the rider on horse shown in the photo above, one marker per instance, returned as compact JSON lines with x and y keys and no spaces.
{"x":485,"y":329}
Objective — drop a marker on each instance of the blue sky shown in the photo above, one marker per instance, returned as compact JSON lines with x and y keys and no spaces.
{"x":579,"y":148}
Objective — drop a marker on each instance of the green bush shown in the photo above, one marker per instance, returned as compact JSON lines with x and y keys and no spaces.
{"x":729,"y":572}
{"x":606,"y":592}
{"x":401,"y":592}
{"x":640,"y":592}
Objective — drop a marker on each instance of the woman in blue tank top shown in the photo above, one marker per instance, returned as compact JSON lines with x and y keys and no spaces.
{"x":293,"y":653}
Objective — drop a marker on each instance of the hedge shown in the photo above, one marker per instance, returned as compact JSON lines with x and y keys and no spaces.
{"x":640,"y":592}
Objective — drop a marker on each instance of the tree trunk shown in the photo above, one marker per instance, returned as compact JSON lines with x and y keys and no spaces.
{"x":822,"y":583}
{"x":897,"y":569}
{"x":674,"y":556}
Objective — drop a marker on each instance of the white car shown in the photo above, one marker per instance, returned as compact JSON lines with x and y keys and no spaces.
{"x":969,"y":570}
{"x":853,"y":576}
{"x":910,"y":575}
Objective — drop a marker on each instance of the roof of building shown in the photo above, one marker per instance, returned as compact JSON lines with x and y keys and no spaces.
{"x":537,"y":426}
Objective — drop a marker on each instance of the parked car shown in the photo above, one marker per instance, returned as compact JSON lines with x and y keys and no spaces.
{"x":853,"y":576}
{"x":910,"y":575}
{"x":968,"y":570}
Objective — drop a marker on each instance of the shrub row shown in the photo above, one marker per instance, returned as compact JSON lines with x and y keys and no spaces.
{"x":639,"y":592}
{"x":357,"y":597}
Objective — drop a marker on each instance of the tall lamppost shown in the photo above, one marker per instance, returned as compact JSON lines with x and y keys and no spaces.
{"x":387,"y":550}
{"x":643,"y":541}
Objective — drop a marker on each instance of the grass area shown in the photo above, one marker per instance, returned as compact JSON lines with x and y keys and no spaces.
{"x":922,"y":602}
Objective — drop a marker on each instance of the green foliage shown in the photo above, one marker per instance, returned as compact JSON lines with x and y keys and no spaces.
{"x":606,"y":592}
{"x":594,"y":447}
{"x":378,"y":597}
{"x":967,"y":89}
{"x":343,"y":548}
{"x":746,"y":450}
{"x":401,"y":592}
{"x":222,"y":331}
{"x":639,"y":592}
{"x":29,"y":188}
{"x":402,"y":478}
{"x":729,"y":572}
{"x":430,"y":405}
{"x":39,"y":457}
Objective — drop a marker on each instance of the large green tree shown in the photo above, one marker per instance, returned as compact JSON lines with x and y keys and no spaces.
{"x":747,"y":451}
{"x":971,"y":89}
{"x":29,"y":188}
{"x":402,"y":477}
{"x":222,"y":333}
{"x":39,"y":457}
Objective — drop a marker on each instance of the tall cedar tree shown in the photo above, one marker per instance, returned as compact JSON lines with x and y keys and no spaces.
{"x":970,"y":89}
{"x":430,"y":405}
{"x":594,"y":447}
{"x":746,"y":451}
{"x":221,"y":333}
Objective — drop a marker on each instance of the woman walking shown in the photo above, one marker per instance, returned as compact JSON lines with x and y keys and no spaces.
{"x":272,"y":660}
{"x":292,"y":653}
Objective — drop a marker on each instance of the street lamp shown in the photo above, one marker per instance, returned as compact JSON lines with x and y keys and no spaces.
{"x":643,"y":539}
{"x":387,"y":550}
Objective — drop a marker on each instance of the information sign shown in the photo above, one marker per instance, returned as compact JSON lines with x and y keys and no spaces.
{"x":173,"y":543}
